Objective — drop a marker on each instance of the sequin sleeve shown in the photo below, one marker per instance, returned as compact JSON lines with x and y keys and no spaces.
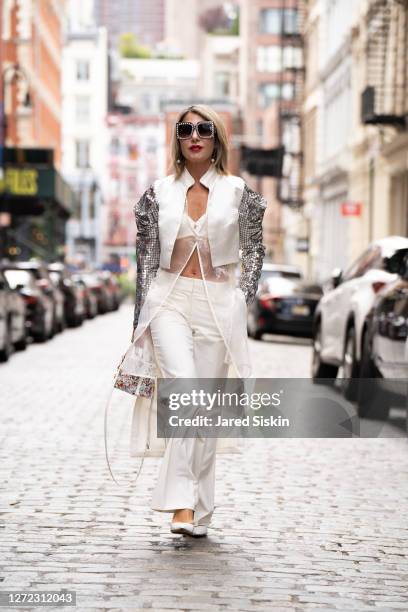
{"x":147,"y":246}
{"x":251,"y":212}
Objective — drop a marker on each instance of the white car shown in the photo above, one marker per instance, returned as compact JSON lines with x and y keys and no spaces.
{"x":339,"y":321}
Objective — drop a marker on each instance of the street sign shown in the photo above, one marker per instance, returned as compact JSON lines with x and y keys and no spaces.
{"x":20,"y":181}
{"x":351,"y":209}
{"x":262,"y":162}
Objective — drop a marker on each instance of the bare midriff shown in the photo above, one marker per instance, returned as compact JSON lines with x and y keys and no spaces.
{"x":198,"y":205}
{"x":192,"y":267}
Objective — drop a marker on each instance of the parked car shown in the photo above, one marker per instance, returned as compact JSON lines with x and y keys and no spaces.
{"x":339,"y":317}
{"x":112,"y":289}
{"x":73,"y":295}
{"x":46,"y":284}
{"x":100,"y":290}
{"x":384,"y":361}
{"x":39,"y":306}
{"x":283,"y":305}
{"x":90,"y":297}
{"x":12,"y":319}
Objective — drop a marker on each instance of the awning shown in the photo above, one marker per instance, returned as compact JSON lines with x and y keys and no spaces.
{"x":27,"y":190}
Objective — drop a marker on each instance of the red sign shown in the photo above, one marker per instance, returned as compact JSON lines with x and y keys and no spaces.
{"x":351,"y":209}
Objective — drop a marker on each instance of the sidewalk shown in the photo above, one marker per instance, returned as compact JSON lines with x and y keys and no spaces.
{"x":308,"y":524}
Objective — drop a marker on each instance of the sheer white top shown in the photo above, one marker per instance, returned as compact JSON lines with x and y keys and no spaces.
{"x":188,"y":227}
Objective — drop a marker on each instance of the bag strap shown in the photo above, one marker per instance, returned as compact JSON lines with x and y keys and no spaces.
{"x":107,"y":404}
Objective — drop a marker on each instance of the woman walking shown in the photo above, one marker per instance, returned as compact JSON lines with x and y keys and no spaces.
{"x":190,"y":315}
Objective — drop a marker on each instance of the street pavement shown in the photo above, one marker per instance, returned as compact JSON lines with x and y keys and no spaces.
{"x":299,"y":524}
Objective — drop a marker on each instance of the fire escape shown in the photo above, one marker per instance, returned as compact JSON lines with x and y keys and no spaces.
{"x":289,"y":187}
{"x":384,"y":99}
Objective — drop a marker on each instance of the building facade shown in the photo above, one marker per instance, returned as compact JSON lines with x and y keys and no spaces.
{"x":355,"y":132}
{"x":136,"y":158}
{"x":85,"y":135}
{"x":327,"y":120}
{"x":32,"y":34}
{"x":146,"y":84}
{"x":188,"y":39}
{"x":34,"y":198}
{"x":144,"y":18}
{"x":271,"y":72}
{"x":380,"y":144}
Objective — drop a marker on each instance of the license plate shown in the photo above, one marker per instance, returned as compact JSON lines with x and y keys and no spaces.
{"x":300,"y":309}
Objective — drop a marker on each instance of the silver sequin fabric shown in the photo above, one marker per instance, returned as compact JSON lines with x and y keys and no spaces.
{"x":251,"y":212}
{"x":147,"y":246}
{"x":250,"y":215}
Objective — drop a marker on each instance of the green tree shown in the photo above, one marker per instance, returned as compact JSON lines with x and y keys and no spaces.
{"x":130,"y":47}
{"x":234,"y":31}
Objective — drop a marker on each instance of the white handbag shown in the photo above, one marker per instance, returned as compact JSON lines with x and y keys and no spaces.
{"x":126,"y":379}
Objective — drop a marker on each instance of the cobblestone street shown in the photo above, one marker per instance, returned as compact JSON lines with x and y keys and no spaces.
{"x":299,"y":524}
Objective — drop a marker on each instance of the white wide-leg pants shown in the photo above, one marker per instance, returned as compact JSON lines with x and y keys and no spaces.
{"x":188,"y":344}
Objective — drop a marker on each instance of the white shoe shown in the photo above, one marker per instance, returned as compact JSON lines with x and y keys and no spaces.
{"x":199,"y":531}
{"x":179,"y":527}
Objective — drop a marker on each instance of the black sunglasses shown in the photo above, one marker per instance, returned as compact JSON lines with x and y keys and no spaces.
{"x":185,"y":129}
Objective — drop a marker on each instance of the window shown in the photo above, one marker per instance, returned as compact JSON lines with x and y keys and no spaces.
{"x":270,"y":92}
{"x":82,"y":153}
{"x":19,"y":277}
{"x":269,"y":59}
{"x":273,"y":58}
{"x":288,"y":91}
{"x":290,"y":21}
{"x":222,"y":84}
{"x":82,"y":113}
{"x":270,"y":21}
{"x":278,"y":21}
{"x":82,"y":70}
{"x":131,"y":185}
{"x":368,"y":260}
{"x":372,"y":261}
{"x":115,"y":146}
{"x":146,"y":102}
{"x":352,"y":270}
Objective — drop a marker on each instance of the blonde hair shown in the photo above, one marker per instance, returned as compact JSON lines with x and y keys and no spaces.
{"x":220,"y":140}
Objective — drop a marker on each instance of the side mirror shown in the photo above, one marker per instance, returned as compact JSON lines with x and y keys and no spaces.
{"x":336,"y":277}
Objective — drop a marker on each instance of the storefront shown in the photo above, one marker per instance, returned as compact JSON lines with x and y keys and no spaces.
{"x":35,"y":204}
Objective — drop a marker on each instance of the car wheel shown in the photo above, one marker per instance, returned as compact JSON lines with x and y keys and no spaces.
{"x":350,"y":366}
{"x":5,"y":352}
{"x":370,"y":403}
{"x":21,"y":344}
{"x":321,"y":370}
{"x":43,"y":335}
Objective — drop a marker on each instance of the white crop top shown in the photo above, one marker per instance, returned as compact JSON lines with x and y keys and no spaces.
{"x":192,"y":234}
{"x":188,"y":227}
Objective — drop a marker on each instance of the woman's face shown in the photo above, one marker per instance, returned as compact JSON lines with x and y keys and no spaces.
{"x":196,"y":149}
